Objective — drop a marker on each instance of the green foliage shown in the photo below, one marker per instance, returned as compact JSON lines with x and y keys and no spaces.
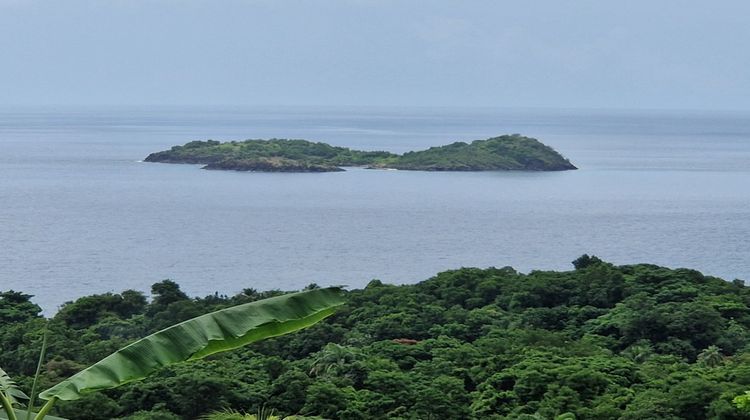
{"x":21,"y":415}
{"x":710,"y":357}
{"x":17,"y":307}
{"x":597,"y":342}
{"x":229,"y":414}
{"x":268,"y":155}
{"x":9,"y":390}
{"x":90,"y":310}
{"x":152,"y":415}
{"x":513,"y":152}
{"x":585,"y":261}
{"x":742,"y":401}
{"x":199,"y":337}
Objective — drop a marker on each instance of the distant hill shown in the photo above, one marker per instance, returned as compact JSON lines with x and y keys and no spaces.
{"x":504,"y":153}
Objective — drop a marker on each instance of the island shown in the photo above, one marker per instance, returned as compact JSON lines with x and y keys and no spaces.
{"x":504,"y":153}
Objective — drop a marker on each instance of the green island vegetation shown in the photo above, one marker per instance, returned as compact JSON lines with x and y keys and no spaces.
{"x":504,"y":153}
{"x":597,"y":342}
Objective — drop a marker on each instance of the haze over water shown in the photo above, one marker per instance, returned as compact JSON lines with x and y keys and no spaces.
{"x":79,"y":214}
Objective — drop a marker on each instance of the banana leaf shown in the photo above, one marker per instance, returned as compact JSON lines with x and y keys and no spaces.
{"x":21,"y":414}
{"x":9,"y":388}
{"x":199,"y":337}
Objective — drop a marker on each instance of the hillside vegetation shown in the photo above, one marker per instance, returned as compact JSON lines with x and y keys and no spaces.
{"x":597,"y":342}
{"x":512,"y":152}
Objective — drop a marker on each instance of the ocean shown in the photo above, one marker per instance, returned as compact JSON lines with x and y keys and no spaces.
{"x":80,"y":213}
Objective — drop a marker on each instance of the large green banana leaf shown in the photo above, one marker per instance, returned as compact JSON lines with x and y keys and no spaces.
{"x":202,"y":336}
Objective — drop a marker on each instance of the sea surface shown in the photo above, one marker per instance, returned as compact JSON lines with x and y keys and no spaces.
{"x":81,"y":214}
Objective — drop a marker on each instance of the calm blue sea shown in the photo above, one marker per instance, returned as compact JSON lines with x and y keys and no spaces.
{"x":80,"y":214}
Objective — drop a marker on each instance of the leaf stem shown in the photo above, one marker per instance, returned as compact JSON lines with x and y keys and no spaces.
{"x":7,"y":406}
{"x":45,"y":409}
{"x":38,"y":369}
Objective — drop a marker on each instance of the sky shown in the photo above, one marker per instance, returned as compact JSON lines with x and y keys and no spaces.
{"x":635,"y":54}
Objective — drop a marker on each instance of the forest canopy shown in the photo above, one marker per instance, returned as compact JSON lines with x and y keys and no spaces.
{"x":600,"y":341}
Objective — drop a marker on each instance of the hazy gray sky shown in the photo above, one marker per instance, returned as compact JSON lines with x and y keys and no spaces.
{"x":593,"y":53}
